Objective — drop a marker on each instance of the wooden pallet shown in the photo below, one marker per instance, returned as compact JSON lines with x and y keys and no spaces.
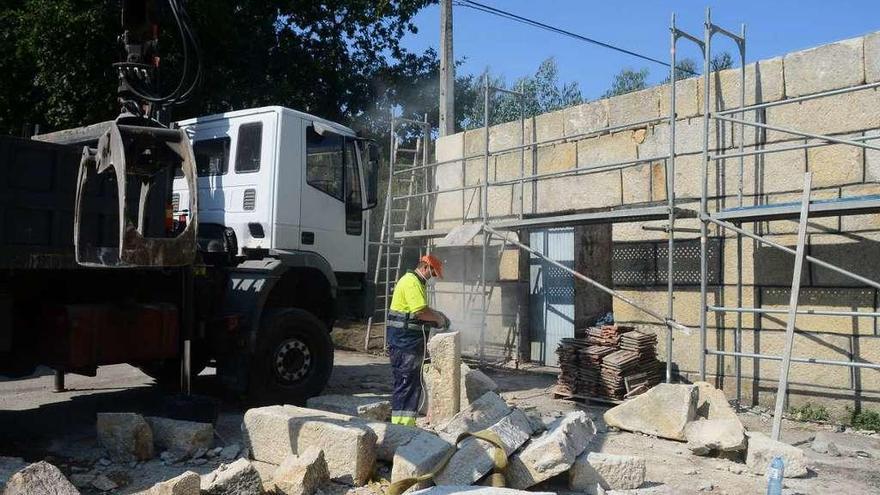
{"x":583,"y":398}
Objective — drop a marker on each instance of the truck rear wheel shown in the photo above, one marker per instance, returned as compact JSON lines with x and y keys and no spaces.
{"x":293,"y":359}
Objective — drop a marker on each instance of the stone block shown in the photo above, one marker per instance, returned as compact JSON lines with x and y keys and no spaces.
{"x":40,"y":478}
{"x":814,"y":225}
{"x":854,"y":253}
{"x":389,"y":437}
{"x":443,"y":376}
{"x":301,"y":474}
{"x":126,"y":436}
{"x":838,"y":114}
{"x":549,"y":126}
{"x":608,"y":471}
{"x":475,"y":490}
{"x":713,"y":404}
{"x":595,"y":190}
{"x":419,"y":456}
{"x":585,"y":118}
{"x":686,"y":99}
{"x":635,"y":107}
{"x":778,"y":172}
{"x":821,"y":299}
{"x":474,"y":384}
{"x":508,"y":265}
{"x":689,"y":177}
{"x":557,"y":157}
{"x":187,"y":483}
{"x":552,"y":453}
{"x":762,"y":449}
{"x":237,"y":478}
{"x":637,"y":184}
{"x":773,"y":266}
{"x":449,"y":147}
{"x":836,"y":165}
{"x":872,"y":57}
{"x":658,"y":181}
{"x":826,"y":67}
{"x":817,"y":346}
{"x":860,"y":223}
{"x":764,"y":83}
{"x":506,"y":135}
{"x":349,"y":445}
{"x":366,"y":406}
{"x":474,"y":142}
{"x":474,"y":457}
{"x":642,"y":413}
{"x":181,"y":437}
{"x":603,"y":150}
{"x":707,"y":436}
{"x":480,"y":414}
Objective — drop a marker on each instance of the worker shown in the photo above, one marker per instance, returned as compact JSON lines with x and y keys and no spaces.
{"x":409,"y":321}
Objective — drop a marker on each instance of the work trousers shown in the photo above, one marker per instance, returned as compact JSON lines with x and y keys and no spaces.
{"x":406,"y":368}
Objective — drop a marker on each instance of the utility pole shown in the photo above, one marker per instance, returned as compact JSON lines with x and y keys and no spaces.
{"x":447,"y":71}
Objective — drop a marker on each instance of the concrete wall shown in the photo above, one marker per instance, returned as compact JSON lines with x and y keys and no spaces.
{"x":640,"y":255}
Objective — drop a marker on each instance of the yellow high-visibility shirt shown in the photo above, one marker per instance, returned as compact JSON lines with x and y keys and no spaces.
{"x":409,"y":295}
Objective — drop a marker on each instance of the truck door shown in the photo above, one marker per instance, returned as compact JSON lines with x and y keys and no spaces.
{"x":333,"y":220}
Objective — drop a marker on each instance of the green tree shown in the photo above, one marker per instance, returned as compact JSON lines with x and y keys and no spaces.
{"x":543,"y":92}
{"x":322,"y":57}
{"x":721,"y":61}
{"x":627,"y":81}
{"x":684,"y":69}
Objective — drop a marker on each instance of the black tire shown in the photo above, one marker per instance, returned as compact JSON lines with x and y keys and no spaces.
{"x":293,"y":359}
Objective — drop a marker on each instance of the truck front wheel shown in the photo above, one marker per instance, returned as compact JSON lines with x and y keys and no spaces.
{"x":293,"y":359}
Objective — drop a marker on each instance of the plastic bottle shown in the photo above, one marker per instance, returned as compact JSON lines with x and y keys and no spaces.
{"x":774,"y":476}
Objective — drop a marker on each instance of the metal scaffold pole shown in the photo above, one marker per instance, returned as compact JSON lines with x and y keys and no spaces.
{"x":670,"y":197}
{"x":485,"y":215}
{"x":704,"y":186}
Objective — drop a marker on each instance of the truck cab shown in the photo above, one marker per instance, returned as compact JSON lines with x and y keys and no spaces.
{"x":283,"y":181}
{"x":283,"y":207}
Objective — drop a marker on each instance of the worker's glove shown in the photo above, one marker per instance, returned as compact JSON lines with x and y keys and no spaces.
{"x":445,"y":324}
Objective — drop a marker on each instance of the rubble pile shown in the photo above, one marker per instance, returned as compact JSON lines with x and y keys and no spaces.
{"x":611,"y":362}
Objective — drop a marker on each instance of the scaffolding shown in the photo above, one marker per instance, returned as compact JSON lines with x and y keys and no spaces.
{"x":489,"y":226}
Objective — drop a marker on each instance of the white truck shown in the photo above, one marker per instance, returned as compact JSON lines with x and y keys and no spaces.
{"x":282,"y":229}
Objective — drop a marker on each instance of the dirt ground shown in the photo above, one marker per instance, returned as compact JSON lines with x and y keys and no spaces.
{"x":36,"y":423}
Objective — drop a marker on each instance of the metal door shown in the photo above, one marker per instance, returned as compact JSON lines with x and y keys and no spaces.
{"x":551,"y":301}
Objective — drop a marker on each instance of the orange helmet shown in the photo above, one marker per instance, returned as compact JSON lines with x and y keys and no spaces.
{"x":434,"y":263}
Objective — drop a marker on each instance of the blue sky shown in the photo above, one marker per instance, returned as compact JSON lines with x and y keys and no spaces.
{"x":773,"y":27}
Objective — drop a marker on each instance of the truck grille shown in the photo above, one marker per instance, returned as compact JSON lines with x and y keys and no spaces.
{"x":250,"y":199}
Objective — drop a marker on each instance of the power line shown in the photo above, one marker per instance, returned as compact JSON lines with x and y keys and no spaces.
{"x":531,"y":22}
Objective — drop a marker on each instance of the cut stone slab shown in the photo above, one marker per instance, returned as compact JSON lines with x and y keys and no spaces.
{"x":712,"y":403}
{"x":302,"y":474}
{"x":552,"y":453}
{"x":479,"y":415}
{"x":474,"y":457}
{"x":40,"y":478}
{"x":126,"y":436}
{"x":349,"y":445}
{"x":610,"y":472}
{"x":474,"y":490}
{"x":715,"y":435}
{"x":474,"y":384}
{"x":443,"y":376}
{"x":183,"y":438}
{"x":390,"y":437}
{"x":188,"y":483}
{"x":237,"y":478}
{"x":846,"y":444}
{"x":762,"y":449}
{"x":419,"y":456}
{"x":367,"y":406}
{"x":663,"y":411}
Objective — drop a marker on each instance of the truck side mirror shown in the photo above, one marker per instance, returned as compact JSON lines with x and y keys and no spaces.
{"x":371,"y":175}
